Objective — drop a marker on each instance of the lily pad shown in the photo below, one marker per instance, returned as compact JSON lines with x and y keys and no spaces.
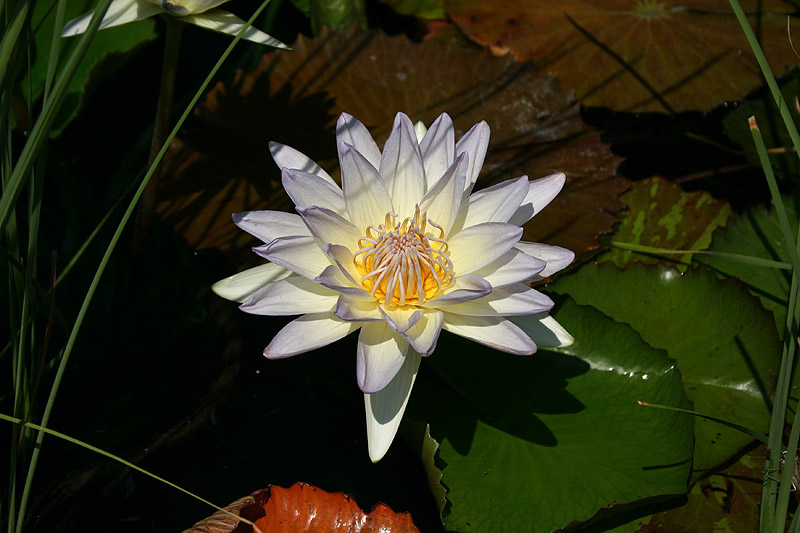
{"x":221,"y":164}
{"x":723,"y":339}
{"x":757,"y":232}
{"x":728,"y":500}
{"x":665,"y":55}
{"x":660,"y":214}
{"x":536,"y":443}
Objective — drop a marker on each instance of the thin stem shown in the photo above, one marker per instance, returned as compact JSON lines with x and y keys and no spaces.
{"x":169,"y":68}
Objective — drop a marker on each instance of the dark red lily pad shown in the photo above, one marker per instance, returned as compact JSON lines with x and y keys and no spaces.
{"x":221,"y":165}
{"x":666,"y":55}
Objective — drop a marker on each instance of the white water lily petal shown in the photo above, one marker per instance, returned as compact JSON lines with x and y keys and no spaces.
{"x":400,"y":319}
{"x":401,"y":167}
{"x":329,"y":227}
{"x":198,"y":6}
{"x":495,"y":332}
{"x":354,"y":309}
{"x":424,"y":334}
{"x":288,"y":157}
{"x":225,"y":22}
{"x":333,"y":278}
{"x":342,"y":257}
{"x":380,"y":354}
{"x":307,"y":333}
{"x":443,"y":201}
{"x":306,"y":190}
{"x":271,"y":225}
{"x":365,"y":193}
{"x":350,"y":130}
{"x":513,"y":266}
{"x":299,"y":254}
{"x":496,"y":203}
{"x":119,"y":12}
{"x":544,"y":330}
{"x":243,"y":285}
{"x":540,"y":193}
{"x":385,"y":408}
{"x":467,"y":287}
{"x":292,"y":296}
{"x":477,"y":246}
{"x":556,"y":257}
{"x":516,"y":299}
{"x":474,"y":143}
{"x":438,"y":149}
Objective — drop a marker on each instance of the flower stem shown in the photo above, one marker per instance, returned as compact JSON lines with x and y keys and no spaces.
{"x":169,"y":68}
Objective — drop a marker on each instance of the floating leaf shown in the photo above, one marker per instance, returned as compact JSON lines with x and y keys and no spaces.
{"x":304,"y":507}
{"x":727,"y":500}
{"x":723,"y":339}
{"x":666,"y":55}
{"x":660,"y":214}
{"x":757,"y":233}
{"x":535,"y":443}
{"x":221,"y":164}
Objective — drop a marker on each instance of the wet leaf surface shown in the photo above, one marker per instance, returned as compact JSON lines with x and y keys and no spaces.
{"x":724,"y":341}
{"x":535,"y":443}
{"x":670,"y":55}
{"x":221,"y":164}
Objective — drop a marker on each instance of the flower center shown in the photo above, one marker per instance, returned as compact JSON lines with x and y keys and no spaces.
{"x":404,"y":263}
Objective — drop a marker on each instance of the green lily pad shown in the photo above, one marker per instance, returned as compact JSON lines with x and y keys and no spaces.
{"x":776,"y":138}
{"x":108,"y":51}
{"x":660,"y":214}
{"x":536,"y":443}
{"x":757,"y":233}
{"x":723,"y":339}
{"x":728,"y":500}
{"x":665,"y":55}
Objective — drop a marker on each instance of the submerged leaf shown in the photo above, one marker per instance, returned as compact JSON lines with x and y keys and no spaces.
{"x":221,"y":164}
{"x":666,"y":55}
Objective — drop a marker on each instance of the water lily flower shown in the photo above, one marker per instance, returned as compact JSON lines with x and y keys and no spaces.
{"x":198,"y":12}
{"x":400,"y":252}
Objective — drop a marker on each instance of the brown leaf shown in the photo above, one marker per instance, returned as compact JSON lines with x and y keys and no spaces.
{"x":669,"y":55}
{"x":221,"y":164}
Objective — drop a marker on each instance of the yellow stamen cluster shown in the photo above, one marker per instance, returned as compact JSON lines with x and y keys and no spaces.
{"x":404,"y":263}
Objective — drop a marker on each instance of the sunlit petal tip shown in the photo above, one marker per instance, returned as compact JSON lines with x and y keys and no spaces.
{"x":352,"y":132}
{"x":307,"y":333}
{"x":228,"y":23}
{"x":544,"y":330}
{"x":419,"y":130}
